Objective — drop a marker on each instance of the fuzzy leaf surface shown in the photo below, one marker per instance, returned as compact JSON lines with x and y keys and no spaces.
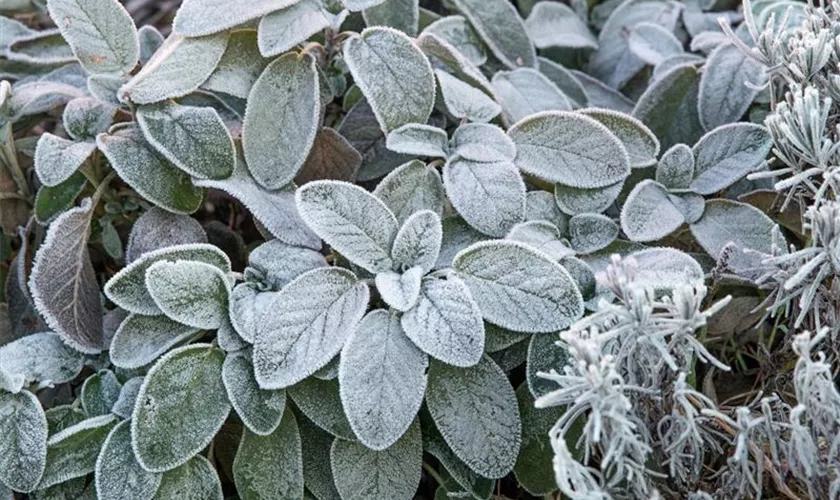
{"x":191,"y":293}
{"x":118,"y":476}
{"x":271,"y":466}
{"x":498,"y":23}
{"x":259,"y":409}
{"x":410,"y":188}
{"x":23,"y":449}
{"x":728,"y":153}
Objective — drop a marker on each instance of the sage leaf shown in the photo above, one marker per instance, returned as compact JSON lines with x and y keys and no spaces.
{"x":541,"y":205}
{"x":194,"y":480}
{"x":240,"y":66}
{"x":105,"y":87}
{"x":519,"y":288}
{"x":395,"y":77}
{"x":669,"y":107}
{"x":566,"y":81}
{"x":728,"y":86}
{"x":332,"y":157}
{"x":84,"y":118}
{"x":40,"y":47}
{"x":726,"y":154}
{"x":542,"y":235}
{"x":181,"y":405}
{"x":419,"y":140}
{"x":99,"y":393}
{"x":320,"y":401}
{"x":100,"y":32}
{"x":525,"y":91}
{"x":569,"y":149}
{"x":41,"y":357}
{"x":276,"y":263}
{"x":533,"y":469}
{"x":124,"y":405}
{"x":676,"y":167}
{"x":63,"y":282}
{"x":553,"y":24}
{"x":280,"y":127}
{"x":191,"y":293}
{"x":361,"y":129}
{"x":600,"y":95}
{"x":478,"y":487}
{"x":575,"y":201}
{"x":666,"y":268}
{"x":118,"y":476}
{"x":544,"y":355}
{"x":648,"y":213}
{"x":140,"y":340}
{"x":410,"y":188}
{"x":306,"y":325}
{"x":463,"y":101}
{"x":50,"y":202}
{"x":157,"y":229}
{"x":457,"y":31}
{"x":403,"y":15}
{"x":359,"y":5}
{"x":197,"y":18}
{"x":725,"y":223}
{"x":382,"y":380}
{"x":498,"y":23}
{"x":418,"y":241}
{"x":72,"y":452}
{"x":641,"y":144}
{"x":351,"y":220}
{"x":400,"y":290}
{"x":270,"y":466}
{"x":282,"y":29}
{"x":150,"y":40}
{"x":259,"y":409}
{"x":56,"y":159}
{"x":193,"y":139}
{"x":482,"y":143}
{"x":23,"y":449}
{"x":394,"y":473}
{"x":652,"y":43}
{"x":591,"y":232}
{"x":317,"y":473}
{"x":247,"y":303}
{"x":476,"y":412}
{"x":444,"y":55}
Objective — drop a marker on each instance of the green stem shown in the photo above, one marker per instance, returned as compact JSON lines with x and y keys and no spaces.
{"x":432,"y":472}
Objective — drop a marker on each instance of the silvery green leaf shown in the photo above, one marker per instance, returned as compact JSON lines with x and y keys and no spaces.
{"x":463,"y":101}
{"x":544,"y":355}
{"x":600,"y":95}
{"x":142,"y":339}
{"x":543,"y":236}
{"x":591,"y":232}
{"x":614,"y":63}
{"x":419,"y":140}
{"x":23,"y":449}
{"x":582,"y":273}
{"x":410,"y":188}
{"x":553,"y":24}
{"x":46,"y":47}
{"x":320,"y":401}
{"x":56,"y":159}
{"x":247,"y":303}
{"x":362,"y":131}
{"x":458,"y":32}
{"x":725,"y":222}
{"x":672,"y":62}
{"x":240,"y":66}
{"x":466,"y":481}
{"x":99,"y":393}
{"x":127,"y":288}
{"x":118,"y":476}
{"x":331,"y":157}
{"x":149,"y":173}
{"x":382,"y":380}
{"x":691,"y":205}
{"x":542,"y":205}
{"x":498,"y":23}
{"x":381,"y":61}
{"x":41,"y":357}
{"x":37,"y":97}
{"x":194,"y":480}
{"x":489,"y":196}
{"x":669,"y":107}
{"x":276,"y":210}
{"x":708,"y":41}
{"x":525,"y":91}
{"x":648,"y":213}
{"x":519,"y":288}
{"x":641,"y":144}
{"x":12,"y":30}
{"x":317,"y":473}
{"x":63,"y":282}
{"x":193,"y":139}
{"x":77,"y":488}
{"x":565,"y":80}
{"x":157,"y":228}
{"x":457,"y":235}
{"x":72,"y":452}
{"x":498,"y":339}
{"x":124,"y":406}
{"x":101,"y":33}
{"x":270,"y":466}
{"x":728,"y":86}
{"x":418,"y":241}
{"x":228,"y":338}
{"x":652,"y":43}
{"x":11,"y":382}
{"x":442,"y":54}
{"x":181,"y":405}
{"x":666,"y":268}
{"x":276,"y":263}
{"x":259,"y":409}
{"x":191,"y":293}
{"x":50,"y":202}
{"x":84,"y":118}
{"x":728,"y":153}
{"x":482,"y":142}
{"x":533,"y":469}
{"x":403,"y":15}
{"x":676,"y":167}
{"x":282,"y":29}
{"x":570,"y":149}
{"x":359,"y":5}
{"x":164,"y":75}
{"x":351,"y":220}
{"x":306,"y":325}
{"x":62,"y":417}
{"x":150,"y":40}
{"x":105,"y":87}
{"x":476,"y":412}
{"x":446,"y":322}
{"x":575,"y":201}
{"x":392,"y":473}
{"x":279,"y":128}
{"x":197,"y":18}
{"x":400,"y":290}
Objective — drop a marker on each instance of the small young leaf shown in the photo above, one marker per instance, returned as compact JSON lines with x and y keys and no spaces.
{"x":542,"y":235}
{"x":320,"y":401}
{"x":351,"y":220}
{"x":419,"y":140}
{"x":99,"y":393}
{"x":105,"y":87}
{"x":457,"y":31}
{"x":541,"y":205}
{"x":499,"y":25}
{"x":72,"y":452}
{"x":382,"y":377}
{"x":403,"y":15}
{"x":641,"y":144}
{"x":669,"y":107}
{"x":463,"y":101}
{"x":525,"y":91}
{"x":181,"y":405}
{"x":728,"y":86}
{"x":393,"y":473}
{"x":118,"y":476}
{"x":592,"y":232}
{"x":282,"y":29}
{"x":418,"y":242}
{"x":192,"y":293}
{"x":193,"y":139}
{"x":475,"y":409}
{"x":124,"y":405}
{"x":444,"y":55}
{"x":280,"y":128}
{"x":482,"y":143}
{"x":56,"y":159}
{"x":197,"y":18}
{"x":275,"y":263}
{"x":410,"y":188}
{"x":400,"y":290}
{"x":381,"y":60}
{"x":247,"y":304}
{"x":41,"y":357}
{"x":728,"y":153}
{"x":648,"y":213}
{"x":157,"y":228}
{"x":652,"y":43}
{"x":84,"y":118}
{"x":23,"y":448}
{"x":142,"y":339}
{"x":446,"y":322}
{"x":676,"y":167}
{"x":150,"y":40}
{"x":50,"y":202}
{"x":259,"y":409}
{"x":332,"y":157}
{"x":101,"y":33}
{"x":575,"y":201}
{"x":306,"y":325}
{"x":194,"y":480}
{"x":570,"y":149}
{"x":270,"y":466}
{"x":553,"y":24}
{"x":519,"y":288}
{"x":544,"y":355}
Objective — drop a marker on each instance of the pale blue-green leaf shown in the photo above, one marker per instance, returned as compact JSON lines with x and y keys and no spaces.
{"x":543,"y":236}
{"x":157,"y":228}
{"x":519,"y":288}
{"x":192,"y":293}
{"x":259,"y":409}
{"x":648,"y":213}
{"x":542,"y":205}
{"x":275,"y":263}
{"x":38,"y":48}
{"x":331,"y":157}
{"x":457,"y":235}
{"x":72,"y":452}
{"x":124,"y":406}
{"x":466,"y":481}
{"x":726,"y":222}
{"x":672,"y":62}
{"x":400,"y":290}
{"x":691,"y":205}
{"x":463,"y":101}
{"x":676,"y":167}
{"x":56,"y":159}
{"x":525,"y":91}
{"x":708,"y":41}
{"x":666,"y":268}
{"x":12,"y":30}
{"x":282,"y":29}
{"x":228,"y":338}
{"x":652,"y":43}
{"x":394,"y":75}
{"x":443,"y":54}
{"x":565,"y":80}
{"x":194,"y":480}
{"x":247,"y":303}
{"x":118,"y":476}
{"x":181,"y":405}
{"x":554,"y":24}
{"x":598,"y":94}
{"x":23,"y":448}
{"x":544,"y":355}
{"x":498,"y":339}
{"x":418,"y":140}
{"x":320,"y":401}
{"x":84,"y":118}
{"x":240,"y":66}
{"x":150,"y":40}
{"x":728,"y":153}
{"x":317,"y":473}
{"x":197,"y":18}
{"x":641,"y":144}
{"x":403,"y":15}
{"x":105,"y":87}
{"x":729,"y":84}
{"x":498,"y":23}
{"x":418,"y":241}
{"x":489,"y":196}
{"x":382,"y":380}
{"x":11,"y":382}
{"x":591,"y":232}
{"x":99,"y":393}
{"x":476,"y":412}
{"x":410,"y":188}
{"x":457,"y":31}
{"x":575,"y":201}
{"x":669,"y":107}
{"x":482,"y":142}
{"x":41,"y":357}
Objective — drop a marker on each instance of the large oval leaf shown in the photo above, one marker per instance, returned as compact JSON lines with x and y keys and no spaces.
{"x":669,"y":106}
{"x":728,"y":85}
{"x":23,"y":447}
{"x":526,"y":91}
{"x":118,"y":476}
{"x":410,"y":188}
{"x":157,"y":228}
{"x":270,"y":466}
{"x":43,"y":358}
{"x":641,"y":144}
{"x":648,"y":213}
